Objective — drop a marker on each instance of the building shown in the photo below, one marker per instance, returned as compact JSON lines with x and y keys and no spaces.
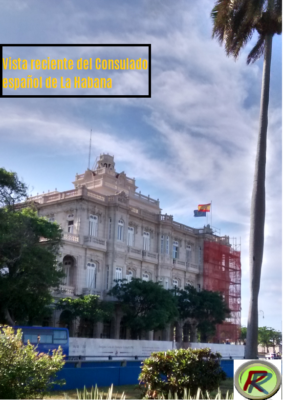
{"x":111,"y":231}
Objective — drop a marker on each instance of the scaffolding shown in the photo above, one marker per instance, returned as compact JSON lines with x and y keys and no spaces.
{"x":222,"y":273}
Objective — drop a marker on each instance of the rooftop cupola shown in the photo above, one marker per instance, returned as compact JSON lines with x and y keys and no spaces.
{"x":105,"y":161}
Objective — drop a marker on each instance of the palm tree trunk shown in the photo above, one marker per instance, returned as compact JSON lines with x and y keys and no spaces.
{"x":258,"y":210}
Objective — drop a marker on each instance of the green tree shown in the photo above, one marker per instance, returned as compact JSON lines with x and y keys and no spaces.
{"x":88,"y":307}
{"x":29,"y":247}
{"x":243,"y":335}
{"x":207,"y":308}
{"x":147,"y":305}
{"x":269,"y":337}
{"x":235,"y":22}
{"x":24,"y":373}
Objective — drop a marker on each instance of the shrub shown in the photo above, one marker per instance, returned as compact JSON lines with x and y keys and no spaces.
{"x":25,"y":373}
{"x":176,"y":370}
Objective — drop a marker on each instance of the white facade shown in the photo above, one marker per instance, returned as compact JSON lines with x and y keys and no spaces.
{"x":113,"y":232}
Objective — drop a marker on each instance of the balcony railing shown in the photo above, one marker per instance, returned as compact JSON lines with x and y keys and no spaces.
{"x":133,"y":250}
{"x":70,"y":237}
{"x":91,"y":291}
{"x":95,"y":242}
{"x":192,"y":267}
{"x":64,"y":290}
{"x":149,"y":256}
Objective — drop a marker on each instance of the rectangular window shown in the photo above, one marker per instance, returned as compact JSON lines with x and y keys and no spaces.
{"x":145,"y":277}
{"x":91,"y":276}
{"x":189,"y":253}
{"x":175,"y":282}
{"x":118,"y":273}
{"x":129,"y":276}
{"x":70,"y":226}
{"x":166,"y":284}
{"x":146,"y":241}
{"x":92,"y":225}
{"x":109,"y":228}
{"x":130,"y":237}
{"x":162,"y":244}
{"x":167,"y":245}
{"x":120,"y":230}
{"x":175,"y":249}
{"x":60,"y":337}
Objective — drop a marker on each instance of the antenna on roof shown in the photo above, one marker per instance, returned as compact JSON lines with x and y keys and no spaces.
{"x":89,"y":150}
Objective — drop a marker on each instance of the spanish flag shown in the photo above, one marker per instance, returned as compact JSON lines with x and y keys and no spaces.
{"x":204,"y":207}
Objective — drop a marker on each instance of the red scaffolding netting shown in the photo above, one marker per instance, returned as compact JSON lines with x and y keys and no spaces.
{"x":222,"y":273}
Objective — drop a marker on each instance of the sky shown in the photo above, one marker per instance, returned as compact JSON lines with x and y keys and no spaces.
{"x":192,"y":142}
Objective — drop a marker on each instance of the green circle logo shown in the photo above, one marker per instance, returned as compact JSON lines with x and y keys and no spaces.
{"x":257,"y":380}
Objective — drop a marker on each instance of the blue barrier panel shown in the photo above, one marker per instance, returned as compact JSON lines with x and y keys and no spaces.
{"x":77,"y":378}
{"x":101,"y":364}
{"x":129,"y":375}
{"x":106,"y":374}
{"x":228,"y":367}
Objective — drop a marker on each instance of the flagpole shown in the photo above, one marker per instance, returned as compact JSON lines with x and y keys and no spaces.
{"x":211,"y":213}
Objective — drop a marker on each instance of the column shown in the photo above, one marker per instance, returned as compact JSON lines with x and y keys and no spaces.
{"x":179,"y":331}
{"x":193,"y":334}
{"x":98,"y":330}
{"x":149,"y":335}
{"x":166,"y":333}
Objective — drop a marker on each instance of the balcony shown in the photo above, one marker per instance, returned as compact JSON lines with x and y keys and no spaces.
{"x":91,"y":291}
{"x":150,"y":257}
{"x":96,"y":243}
{"x":70,"y":237}
{"x":134,"y":253}
{"x":192,"y":267}
{"x":64,"y":291}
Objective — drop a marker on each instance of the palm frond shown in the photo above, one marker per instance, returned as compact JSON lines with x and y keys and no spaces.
{"x":257,"y":50}
{"x":221,"y":17}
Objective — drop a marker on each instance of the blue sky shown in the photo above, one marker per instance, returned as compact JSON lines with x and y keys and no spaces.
{"x":193,"y":141}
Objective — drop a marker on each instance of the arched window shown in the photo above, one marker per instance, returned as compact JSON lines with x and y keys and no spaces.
{"x":130,"y":237}
{"x":166,"y":284}
{"x":129,"y":275}
{"x":146,"y":241}
{"x":92,"y":225}
{"x":145,"y":276}
{"x":67,"y":264}
{"x":120,"y":230}
{"x":69,"y":270}
{"x":91,"y":275}
{"x":175,"y":249}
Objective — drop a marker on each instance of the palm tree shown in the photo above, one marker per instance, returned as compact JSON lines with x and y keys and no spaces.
{"x":235,"y":22}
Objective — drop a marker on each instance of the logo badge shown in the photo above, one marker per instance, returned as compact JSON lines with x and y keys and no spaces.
{"x":256,"y":379}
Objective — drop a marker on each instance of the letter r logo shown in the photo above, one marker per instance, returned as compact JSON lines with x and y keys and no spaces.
{"x":254,"y":377}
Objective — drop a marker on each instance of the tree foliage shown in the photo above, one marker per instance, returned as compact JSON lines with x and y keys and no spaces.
{"x":147,"y":305}
{"x":29,"y":246}
{"x":25,"y":374}
{"x":207,"y":308}
{"x":269,"y":337}
{"x":88,"y":307}
{"x":177,"y":370}
{"x":243,"y":334}
{"x":235,"y":22}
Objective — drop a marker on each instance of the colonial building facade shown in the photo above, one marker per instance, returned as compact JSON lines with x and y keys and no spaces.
{"x":111,"y":231}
